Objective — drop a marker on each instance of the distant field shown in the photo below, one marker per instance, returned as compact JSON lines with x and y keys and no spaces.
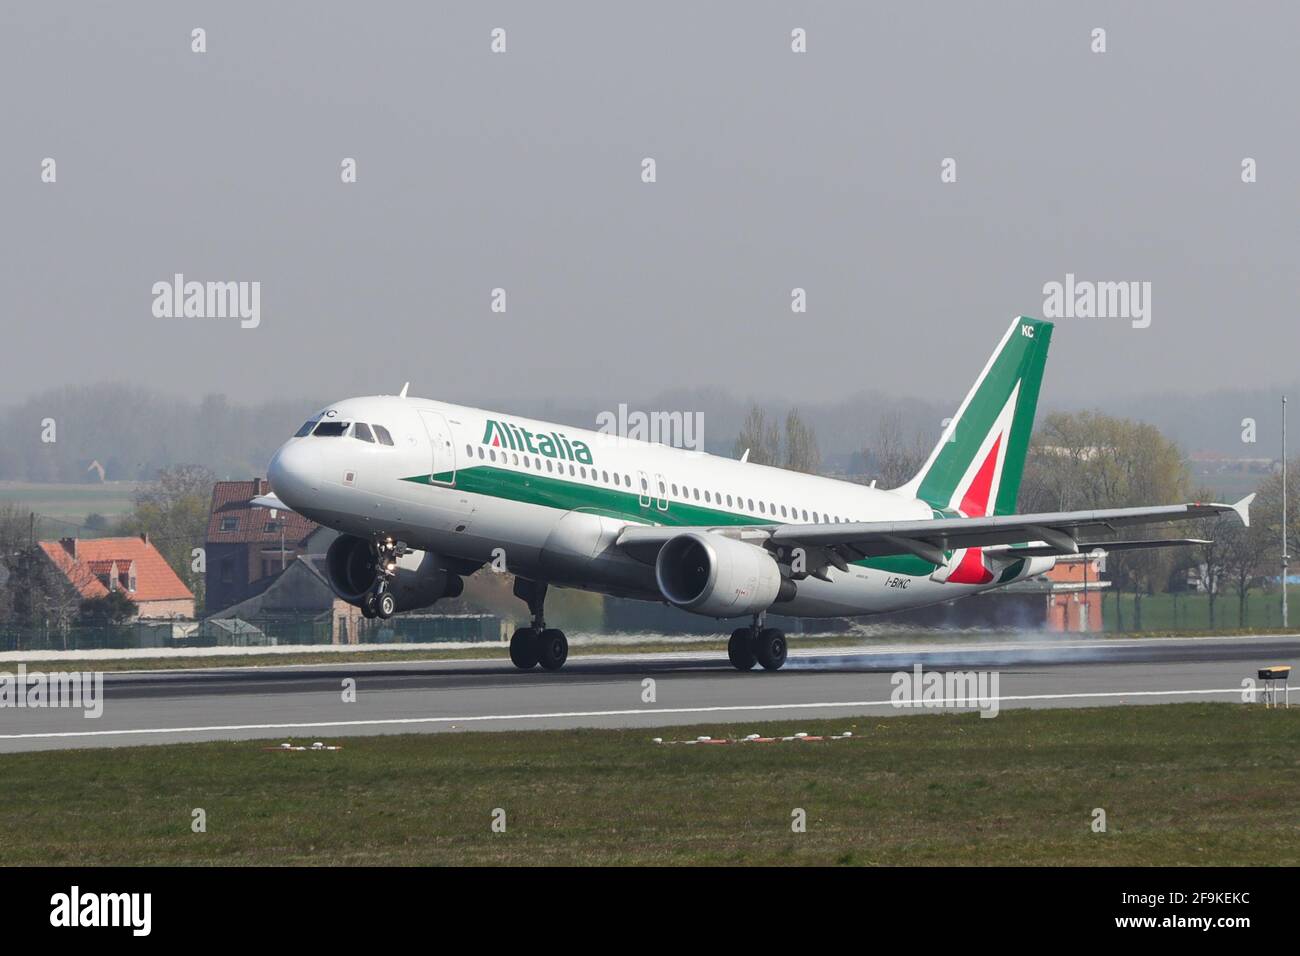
{"x":70,"y":503}
{"x":1203,"y":784}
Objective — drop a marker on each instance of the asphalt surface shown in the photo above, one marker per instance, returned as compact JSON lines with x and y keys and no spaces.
{"x":695,"y":688}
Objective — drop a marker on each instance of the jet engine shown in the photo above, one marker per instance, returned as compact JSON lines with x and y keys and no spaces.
{"x":418,"y":580}
{"x":718,"y":576}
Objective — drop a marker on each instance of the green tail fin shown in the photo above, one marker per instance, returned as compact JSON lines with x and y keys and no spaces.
{"x":977,"y":465}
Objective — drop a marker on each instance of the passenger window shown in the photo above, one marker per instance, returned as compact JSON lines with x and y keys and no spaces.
{"x":469,"y":451}
{"x":783,"y":511}
{"x":728,"y":501}
{"x":480,"y":452}
{"x":362,"y":432}
{"x":331,"y":429}
{"x":382,"y":433}
{"x":762,"y":508}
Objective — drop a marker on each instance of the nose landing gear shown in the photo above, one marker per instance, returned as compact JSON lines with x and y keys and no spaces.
{"x":379,"y":601}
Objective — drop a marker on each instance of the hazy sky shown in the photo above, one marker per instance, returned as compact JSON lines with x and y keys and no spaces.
{"x":523,"y":170}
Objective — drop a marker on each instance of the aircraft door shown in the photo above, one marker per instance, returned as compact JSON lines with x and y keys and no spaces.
{"x":443,"y":463}
{"x":662,"y":499}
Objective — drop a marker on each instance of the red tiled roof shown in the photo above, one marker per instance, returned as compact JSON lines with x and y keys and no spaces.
{"x":155,"y":580}
{"x":230,"y":500}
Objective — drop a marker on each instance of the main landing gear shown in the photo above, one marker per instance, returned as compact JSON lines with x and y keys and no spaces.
{"x":537,"y":643}
{"x":756,"y":645}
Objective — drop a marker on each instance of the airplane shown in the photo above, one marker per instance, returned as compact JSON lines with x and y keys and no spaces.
{"x":424,"y":493}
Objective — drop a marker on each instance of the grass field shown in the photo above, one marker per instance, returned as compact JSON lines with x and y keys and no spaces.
{"x":66,"y":506}
{"x":1191,"y":612}
{"x":1180,"y":784}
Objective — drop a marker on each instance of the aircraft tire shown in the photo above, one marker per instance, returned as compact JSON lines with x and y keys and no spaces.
{"x":770,"y":648}
{"x":740,"y":649}
{"x":552,"y":649}
{"x":524,"y":649}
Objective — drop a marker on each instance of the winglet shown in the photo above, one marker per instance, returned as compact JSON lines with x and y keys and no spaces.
{"x":402,"y":393}
{"x":1242,"y":508}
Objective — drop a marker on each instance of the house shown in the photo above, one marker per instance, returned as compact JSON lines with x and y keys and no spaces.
{"x":247,"y":546}
{"x":94,"y":567}
{"x":298,"y":606}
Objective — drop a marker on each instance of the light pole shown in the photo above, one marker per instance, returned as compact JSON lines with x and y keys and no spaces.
{"x":1285,"y":556}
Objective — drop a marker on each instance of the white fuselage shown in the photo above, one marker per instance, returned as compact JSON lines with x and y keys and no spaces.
{"x":549,"y":501}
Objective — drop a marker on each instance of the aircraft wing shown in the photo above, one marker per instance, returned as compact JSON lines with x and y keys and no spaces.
{"x":1059,"y":531}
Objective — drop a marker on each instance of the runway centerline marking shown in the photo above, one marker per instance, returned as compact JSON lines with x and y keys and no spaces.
{"x":909,"y":704}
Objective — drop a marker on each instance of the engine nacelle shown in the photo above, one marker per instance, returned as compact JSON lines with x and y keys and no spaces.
{"x":718,"y":576}
{"x":419,"y":581}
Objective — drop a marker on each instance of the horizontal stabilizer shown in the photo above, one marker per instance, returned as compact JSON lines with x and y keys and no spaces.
{"x":268,"y":501}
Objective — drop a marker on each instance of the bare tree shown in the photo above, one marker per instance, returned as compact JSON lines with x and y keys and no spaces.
{"x":760,"y":437}
{"x":895,"y":456}
{"x":801,"y":452}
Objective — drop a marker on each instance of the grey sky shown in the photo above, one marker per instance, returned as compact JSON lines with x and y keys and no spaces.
{"x":522,"y":171}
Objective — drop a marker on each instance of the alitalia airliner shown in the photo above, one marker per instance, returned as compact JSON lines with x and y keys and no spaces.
{"x":424,"y":493}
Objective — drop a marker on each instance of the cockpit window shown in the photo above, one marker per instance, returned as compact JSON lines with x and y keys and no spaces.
{"x":362,"y":431}
{"x":382,"y":434}
{"x":331,"y":429}
{"x":306,"y":428}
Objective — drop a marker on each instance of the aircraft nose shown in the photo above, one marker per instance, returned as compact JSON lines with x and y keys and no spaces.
{"x":294,"y":472}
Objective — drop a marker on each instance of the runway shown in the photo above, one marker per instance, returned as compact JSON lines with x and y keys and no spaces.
{"x":697,"y":688}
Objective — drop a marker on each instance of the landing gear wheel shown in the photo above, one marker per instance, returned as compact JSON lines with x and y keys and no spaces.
{"x":769,"y":648}
{"x":740,"y":649}
{"x":552,"y":649}
{"x":386,"y":605}
{"x":368,"y":606}
{"x":524,"y":648}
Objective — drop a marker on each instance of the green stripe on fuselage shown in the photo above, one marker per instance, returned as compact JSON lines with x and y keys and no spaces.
{"x":566,"y":495}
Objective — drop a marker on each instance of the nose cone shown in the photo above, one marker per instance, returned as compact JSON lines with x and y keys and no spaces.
{"x":294,"y":472}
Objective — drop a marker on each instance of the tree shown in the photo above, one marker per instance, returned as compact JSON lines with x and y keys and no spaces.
{"x":893,"y":456}
{"x":1244,"y":551}
{"x":801,"y":452}
{"x":1088,"y":460}
{"x":761,"y":437}
{"x":111,"y":609}
{"x":173,"y":512}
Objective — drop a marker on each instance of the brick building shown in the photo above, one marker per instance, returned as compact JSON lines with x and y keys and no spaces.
{"x":247,"y":546}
